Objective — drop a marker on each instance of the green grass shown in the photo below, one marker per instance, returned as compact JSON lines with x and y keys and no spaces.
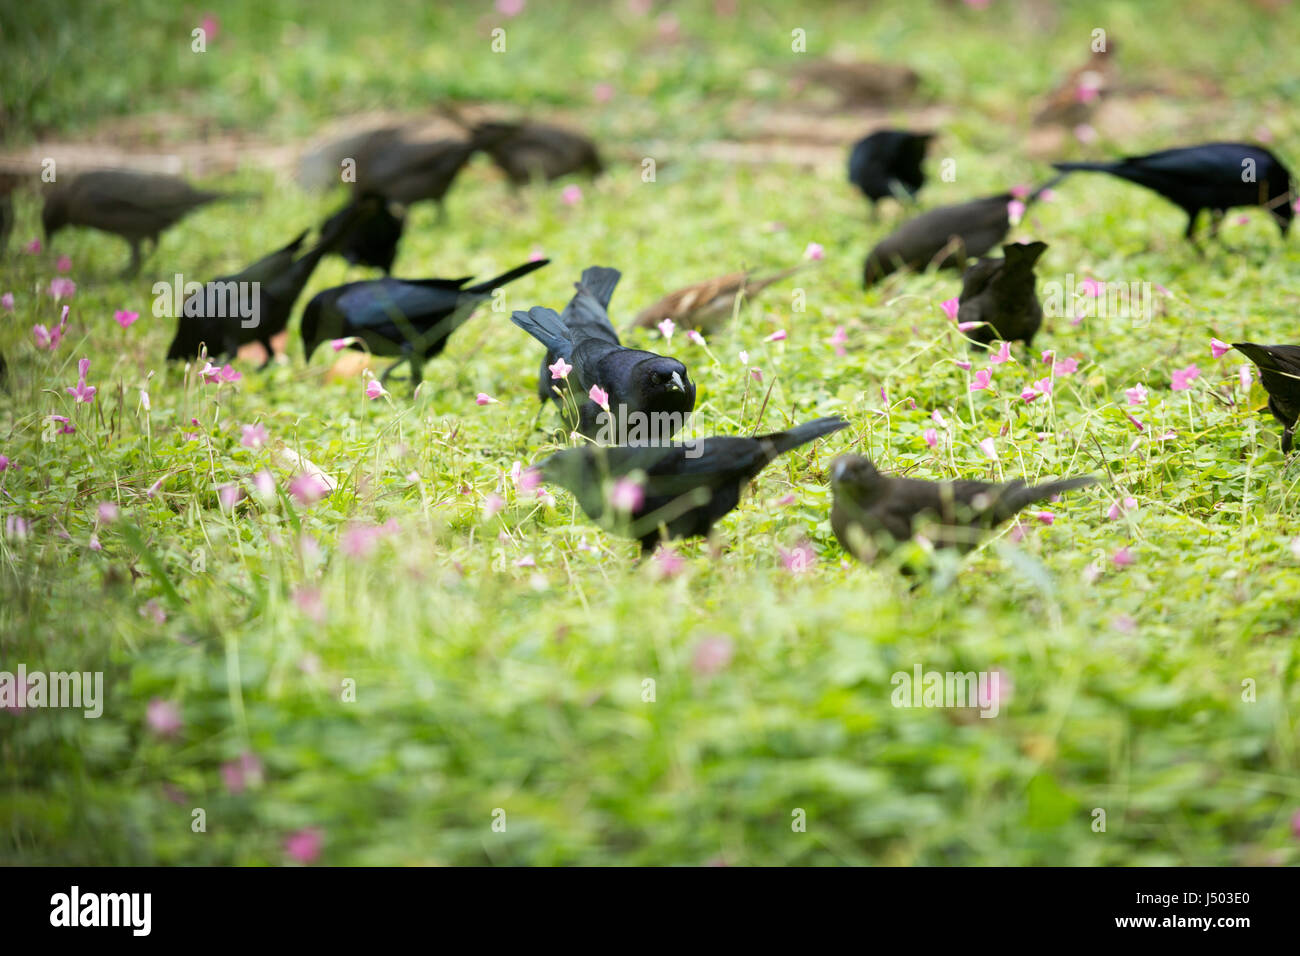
{"x":483,"y":684}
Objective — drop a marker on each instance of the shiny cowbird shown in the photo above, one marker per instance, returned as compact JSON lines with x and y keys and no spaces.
{"x":887,"y":164}
{"x":645,"y":390}
{"x":134,"y":205}
{"x":874,"y":512}
{"x":678,"y":490}
{"x":372,"y":238}
{"x":409,"y":318}
{"x":1001,"y":294}
{"x":1213,"y":176}
{"x":946,"y":236}
{"x":1279,"y":373}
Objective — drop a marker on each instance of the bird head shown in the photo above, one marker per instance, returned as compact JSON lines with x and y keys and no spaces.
{"x":662,"y":384}
{"x":1024,"y":253}
{"x":855,"y":478}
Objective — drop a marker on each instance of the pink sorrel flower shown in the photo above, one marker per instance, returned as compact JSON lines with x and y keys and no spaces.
{"x":1218,"y":348}
{"x":571,"y":195}
{"x":1015,"y":211}
{"x":238,"y":774}
{"x":63,"y":264}
{"x":668,"y":563}
{"x":1137,"y":395}
{"x":253,"y":436}
{"x":627,"y":496}
{"x":694,"y":336}
{"x":666,"y":327}
{"x":7,"y":301}
{"x":1065,"y":366}
{"x":125,"y":319}
{"x":1122,"y":558}
{"x":778,"y":336}
{"x":304,"y":846}
{"x":950,"y":307}
{"x":712,"y":655}
{"x":1182,"y":378}
{"x":1046,"y":517}
{"x":989,"y":448}
{"x":1120,"y":508}
{"x":62,"y":289}
{"x":1091,"y":287}
{"x":308,"y":488}
{"x":814,"y":251}
{"x":837,"y":339}
{"x":1002,"y":355}
{"x":163,"y":717}
{"x":983,"y":379}
{"x":798,"y":559}
{"x":560,"y":369}
{"x":485,"y":399}
{"x":931,"y":437}
{"x":374,"y":389}
{"x":33,"y":247}
{"x":599,"y":396}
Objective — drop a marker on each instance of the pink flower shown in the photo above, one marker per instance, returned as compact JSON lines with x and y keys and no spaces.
{"x":510,"y":8}
{"x":1019,"y":191}
{"x":950,"y":307}
{"x":712,"y":654}
{"x":528,"y":481}
{"x":253,"y":436}
{"x":359,"y":541}
{"x":1137,"y":395}
{"x":627,"y":496}
{"x":47,"y":338}
{"x":989,"y":448}
{"x":304,"y":846}
{"x":229,"y":495}
{"x":310,"y":602}
{"x":931,"y":437}
{"x":210,"y":26}
{"x":560,"y":369}
{"x":307,"y":488}
{"x":338,"y":345}
{"x":62,"y":289}
{"x":668,"y":563}
{"x":1091,"y":287}
{"x":536,"y":255}
{"x":1003,"y":354}
{"x":94,"y":544}
{"x":666,"y":328}
{"x":125,"y":319}
{"x":837,"y":339}
{"x":1218,"y":348}
{"x":694,"y":336}
{"x":756,"y":374}
{"x":15,"y":527}
{"x":602,"y":92}
{"x":63,"y":264}
{"x":81,"y":391}
{"x":1085,"y":133}
{"x":778,"y":336}
{"x":571,"y":194}
{"x":599,"y":396}
{"x":962,"y":364}
{"x":493,"y":505}
{"x":374,"y":390}
{"x":1118,"y":509}
{"x":485,"y":399}
{"x":4,"y":462}
{"x":798,"y":559}
{"x":786,"y":500}
{"x":743,"y":356}
{"x":7,"y":300}
{"x":814,"y":251}
{"x":1015,"y":211}
{"x":1046,"y":517}
{"x":1182,"y":378}
{"x":237,"y":774}
{"x":937,"y":417}
{"x":528,"y":561}
{"x":33,"y":247}
{"x":983,"y":379}
{"x":1122,"y":558}
{"x":264,"y":484}
{"x":1028,"y":394}
{"x":1244,"y":374}
{"x":107,"y":512}
{"x":163,"y":717}
{"x":67,"y":429}
{"x":1065,"y":367}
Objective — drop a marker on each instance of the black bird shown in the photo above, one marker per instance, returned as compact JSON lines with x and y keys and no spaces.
{"x":888,"y":164}
{"x":1001,"y":293}
{"x":1279,"y":372}
{"x":410,"y":318}
{"x":528,"y":150}
{"x":407,"y":172}
{"x":136,"y":206}
{"x":685,"y":486}
{"x":645,"y":389}
{"x":874,"y":512}
{"x":1211,"y":176}
{"x":372,"y":238}
{"x":8,"y":182}
{"x":230,"y":311}
{"x":955,"y":232}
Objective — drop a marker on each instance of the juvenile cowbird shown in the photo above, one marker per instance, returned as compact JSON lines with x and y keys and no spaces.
{"x":953,"y":232}
{"x":1001,"y":294}
{"x":410,"y":318}
{"x":527,"y":150}
{"x":1075,"y":99}
{"x":888,"y":164}
{"x":372,"y":238}
{"x":645,"y":390}
{"x":136,"y":206}
{"x":1279,"y":372}
{"x":684,"y":487}
{"x":252,"y":305}
{"x":862,"y":84}
{"x":707,"y":304}
{"x":874,"y":512}
{"x":407,"y":171}
{"x":1213,"y":176}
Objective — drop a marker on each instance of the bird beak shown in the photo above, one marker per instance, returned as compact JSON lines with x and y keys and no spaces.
{"x":677,"y":383}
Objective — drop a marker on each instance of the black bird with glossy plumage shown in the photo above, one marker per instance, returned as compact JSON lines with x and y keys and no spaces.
{"x":685,"y":487}
{"x":410,"y":318}
{"x":1001,"y":294}
{"x":372,"y":238}
{"x":1213,"y":176}
{"x":134,"y":205}
{"x":1279,"y":373}
{"x":874,"y":512}
{"x":888,"y":164}
{"x":946,"y":236}
{"x":643,"y":387}
{"x":411,"y":171}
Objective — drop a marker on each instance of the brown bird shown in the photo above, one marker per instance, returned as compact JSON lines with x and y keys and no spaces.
{"x":706,"y":305}
{"x":1076,"y":99}
{"x":862,"y":84}
{"x":873,"y":512}
{"x":134,"y":205}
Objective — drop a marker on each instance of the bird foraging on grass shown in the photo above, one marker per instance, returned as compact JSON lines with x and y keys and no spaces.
{"x":1279,"y":373}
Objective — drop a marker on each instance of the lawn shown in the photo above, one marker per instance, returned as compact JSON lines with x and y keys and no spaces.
{"x":400,"y":673}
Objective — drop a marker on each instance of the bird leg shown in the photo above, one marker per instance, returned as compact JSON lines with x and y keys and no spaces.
{"x":383,"y":377}
{"x":417,"y":371}
{"x":133,"y":266}
{"x":1190,"y":234}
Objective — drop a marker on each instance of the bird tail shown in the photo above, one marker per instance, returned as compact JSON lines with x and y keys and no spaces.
{"x":755,"y":286}
{"x":485,"y":288}
{"x":1033,"y":196}
{"x":1015,"y":498}
{"x":547,"y":327}
{"x":782,"y":442}
{"x":1066,"y":168}
{"x":600,"y":282}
